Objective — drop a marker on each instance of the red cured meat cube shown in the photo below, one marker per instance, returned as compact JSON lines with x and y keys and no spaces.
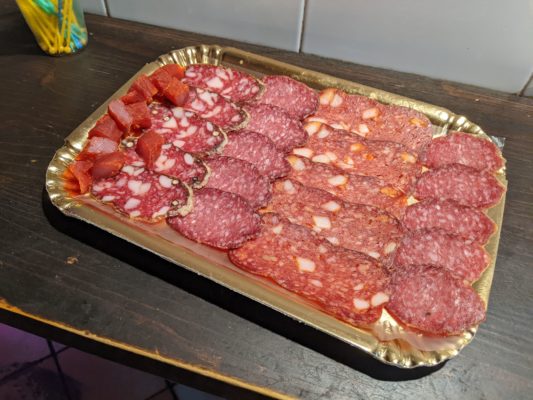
{"x":118,"y":110}
{"x":174,"y":70}
{"x":140,"y":114}
{"x":145,"y":87}
{"x":149,"y":147}
{"x":177,"y":92}
{"x":133,"y":96}
{"x":160,"y":79}
{"x":80,"y":169}
{"x":106,"y":127}
{"x":108,"y":165}
{"x":98,"y":146}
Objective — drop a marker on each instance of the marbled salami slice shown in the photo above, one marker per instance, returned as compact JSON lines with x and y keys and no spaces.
{"x":466,"y":222}
{"x":431,"y":300}
{"x":296,"y":98}
{"x":465,"y":185}
{"x":358,"y":227}
{"x":258,"y":150}
{"x":178,"y":164}
{"x":342,"y":282}
{"x":463,"y":260}
{"x":219,"y":219}
{"x":351,"y":188}
{"x":463,"y":148}
{"x":237,"y":86}
{"x":239,"y":177}
{"x":392,"y":162}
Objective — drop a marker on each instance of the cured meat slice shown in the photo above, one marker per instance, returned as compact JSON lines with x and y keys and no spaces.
{"x":351,"y":188}
{"x":106,"y":127}
{"x":142,"y":194}
{"x":97,"y":146}
{"x":465,"y":185}
{"x":431,"y":300}
{"x":80,"y":170}
{"x":144,"y":86}
{"x":296,"y":98}
{"x":214,"y":108}
{"x":219,"y":219}
{"x":239,"y":177}
{"x":108,"y":165}
{"x":186,"y":130}
{"x":466,"y":222}
{"x":178,"y":164}
{"x":389,"y":161}
{"x":140,"y":115}
{"x":344,"y":283}
{"x":358,"y":227}
{"x":463,"y":260}
{"x":258,"y":150}
{"x":119,"y":112}
{"x":463,"y":148}
{"x":285,"y":131}
{"x":237,"y":86}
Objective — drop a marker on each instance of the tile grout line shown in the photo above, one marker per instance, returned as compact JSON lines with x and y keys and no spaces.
{"x":170,"y":386}
{"x":59,"y":369}
{"x":521,"y":92}
{"x":302,"y":25}
{"x":106,"y":6}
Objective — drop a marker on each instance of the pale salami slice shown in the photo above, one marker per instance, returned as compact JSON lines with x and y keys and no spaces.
{"x":463,"y":260}
{"x":177,"y":164}
{"x":358,"y":227}
{"x":342,"y":282}
{"x":258,"y":150}
{"x":185,"y":129}
{"x":219,"y":219}
{"x":239,"y":177}
{"x":235,"y":85}
{"x":465,"y":185}
{"x":463,"y":148}
{"x":296,"y":98}
{"x":351,"y":188}
{"x":468,"y":223}
{"x":285,"y":131}
{"x":389,"y":161}
{"x":431,"y":300}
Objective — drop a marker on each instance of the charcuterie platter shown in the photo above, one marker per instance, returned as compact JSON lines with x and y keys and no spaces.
{"x":372,"y":217}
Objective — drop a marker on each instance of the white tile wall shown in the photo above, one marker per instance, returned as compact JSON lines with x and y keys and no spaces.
{"x":487,"y":43}
{"x":94,"y":6}
{"x":275,"y":23}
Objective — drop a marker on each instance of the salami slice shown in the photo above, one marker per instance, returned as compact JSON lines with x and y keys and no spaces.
{"x":358,"y":227}
{"x":342,"y":282}
{"x":258,"y":150}
{"x":431,"y":300}
{"x":235,"y":85}
{"x":285,"y":131}
{"x":465,"y":185}
{"x":186,"y":130}
{"x":178,"y":164}
{"x":469,"y":223}
{"x":219,"y":219}
{"x":463,"y":148}
{"x":296,"y":98}
{"x":239,"y":177}
{"x":463,"y":260}
{"x":351,"y":188}
{"x":389,"y":161}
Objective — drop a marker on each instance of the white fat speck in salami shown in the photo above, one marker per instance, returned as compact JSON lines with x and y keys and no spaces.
{"x":214,"y":107}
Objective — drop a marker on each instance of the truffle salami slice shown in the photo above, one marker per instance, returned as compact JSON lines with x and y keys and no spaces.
{"x":239,"y":177}
{"x":344,"y":283}
{"x":463,"y":260}
{"x":431,"y":300}
{"x":258,"y":150}
{"x":466,"y":222}
{"x":460,"y":183}
{"x":358,"y":227}
{"x":235,"y":85}
{"x":463,"y":148}
{"x":389,"y":161}
{"x":351,"y":188}
{"x":296,"y":98}
{"x":219,"y":219}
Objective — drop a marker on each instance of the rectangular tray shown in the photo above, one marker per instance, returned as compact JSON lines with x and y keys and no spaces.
{"x":397,"y":346}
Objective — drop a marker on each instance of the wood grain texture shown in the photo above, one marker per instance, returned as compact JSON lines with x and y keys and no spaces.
{"x":122,"y":293}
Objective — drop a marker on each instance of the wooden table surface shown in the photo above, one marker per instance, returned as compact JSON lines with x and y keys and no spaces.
{"x":130,"y":306}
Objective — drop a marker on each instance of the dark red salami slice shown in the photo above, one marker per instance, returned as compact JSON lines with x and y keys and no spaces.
{"x":219,"y":219}
{"x":258,"y":150}
{"x":239,"y":177}
{"x":358,"y":227}
{"x":285,"y":131}
{"x":351,"y":188}
{"x":463,"y":260}
{"x":296,"y":98}
{"x":342,"y":282}
{"x":431,"y":300}
{"x":186,"y":130}
{"x":465,"y":185}
{"x":468,"y":223}
{"x":181,"y":165}
{"x":463,"y":148}
{"x":237,"y":86}
{"x":389,"y":161}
